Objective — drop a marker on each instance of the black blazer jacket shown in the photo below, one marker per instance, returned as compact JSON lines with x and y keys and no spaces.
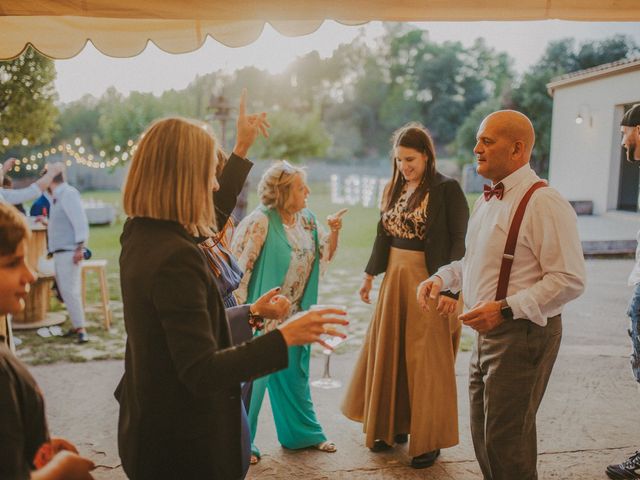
{"x":447,"y":218}
{"x":180,"y":393}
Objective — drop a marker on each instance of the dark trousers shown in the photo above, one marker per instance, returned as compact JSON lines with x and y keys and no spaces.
{"x":509,"y":372}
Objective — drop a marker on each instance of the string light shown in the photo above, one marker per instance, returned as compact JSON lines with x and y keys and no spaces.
{"x":31,"y":162}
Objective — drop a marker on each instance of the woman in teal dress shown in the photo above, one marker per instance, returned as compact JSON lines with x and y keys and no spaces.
{"x":280,"y":244}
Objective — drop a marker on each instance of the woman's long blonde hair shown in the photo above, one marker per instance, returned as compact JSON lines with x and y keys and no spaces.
{"x":171,"y":175}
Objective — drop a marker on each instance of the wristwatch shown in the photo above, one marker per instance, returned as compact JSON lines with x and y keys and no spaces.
{"x":505,"y":310}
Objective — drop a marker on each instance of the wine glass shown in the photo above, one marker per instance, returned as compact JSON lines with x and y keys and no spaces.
{"x":326,"y":381}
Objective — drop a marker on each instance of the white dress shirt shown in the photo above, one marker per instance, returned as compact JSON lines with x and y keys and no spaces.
{"x":68,"y":224}
{"x":20,"y":195}
{"x":548,"y":268}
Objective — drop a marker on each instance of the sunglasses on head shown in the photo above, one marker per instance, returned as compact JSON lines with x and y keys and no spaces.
{"x":286,"y":168}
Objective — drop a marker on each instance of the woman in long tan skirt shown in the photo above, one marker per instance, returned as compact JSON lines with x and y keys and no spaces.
{"x":403,"y":386}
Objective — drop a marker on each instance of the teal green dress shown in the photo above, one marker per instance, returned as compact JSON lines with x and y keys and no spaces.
{"x":289,"y":392}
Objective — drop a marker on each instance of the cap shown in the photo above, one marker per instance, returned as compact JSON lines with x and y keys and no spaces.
{"x":632,"y":117}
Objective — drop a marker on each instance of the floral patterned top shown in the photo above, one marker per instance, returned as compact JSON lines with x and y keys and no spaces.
{"x":401,"y":223}
{"x":247,"y":243}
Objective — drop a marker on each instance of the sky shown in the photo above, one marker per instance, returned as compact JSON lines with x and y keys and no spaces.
{"x":155,"y":71}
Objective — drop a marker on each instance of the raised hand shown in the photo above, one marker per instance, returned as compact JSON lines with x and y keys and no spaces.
{"x":334,"y":221}
{"x":249,"y":127}
{"x":8,"y":165}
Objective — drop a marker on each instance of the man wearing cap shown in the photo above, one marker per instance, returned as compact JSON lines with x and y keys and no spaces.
{"x":630,"y":128}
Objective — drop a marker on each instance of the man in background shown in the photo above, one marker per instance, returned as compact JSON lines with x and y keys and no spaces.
{"x":68,"y":236}
{"x":630,"y":128}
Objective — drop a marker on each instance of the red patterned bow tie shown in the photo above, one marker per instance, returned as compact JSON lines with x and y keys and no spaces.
{"x":498,"y":191}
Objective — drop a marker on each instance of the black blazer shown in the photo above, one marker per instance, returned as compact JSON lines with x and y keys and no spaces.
{"x":180,"y":393}
{"x":447,"y":218}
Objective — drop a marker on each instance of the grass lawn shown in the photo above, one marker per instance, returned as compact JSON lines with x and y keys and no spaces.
{"x":340,"y":285}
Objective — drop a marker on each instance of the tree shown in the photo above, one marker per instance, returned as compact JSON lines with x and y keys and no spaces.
{"x":561,"y":57}
{"x":124,"y":119}
{"x":466,"y":135}
{"x":293,"y":137}
{"x":78,"y":119}
{"x":27,"y":97}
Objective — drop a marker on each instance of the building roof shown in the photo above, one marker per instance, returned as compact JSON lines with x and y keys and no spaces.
{"x":597,"y":72}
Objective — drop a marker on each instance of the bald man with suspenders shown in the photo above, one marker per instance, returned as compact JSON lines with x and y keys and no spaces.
{"x":523,"y":262}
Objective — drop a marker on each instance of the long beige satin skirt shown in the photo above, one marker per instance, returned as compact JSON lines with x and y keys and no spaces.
{"x":404,"y":379}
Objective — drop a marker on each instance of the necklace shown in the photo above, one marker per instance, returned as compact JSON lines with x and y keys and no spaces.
{"x":290,"y":222}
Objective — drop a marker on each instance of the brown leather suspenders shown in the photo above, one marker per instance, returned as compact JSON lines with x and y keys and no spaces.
{"x":512,"y":237}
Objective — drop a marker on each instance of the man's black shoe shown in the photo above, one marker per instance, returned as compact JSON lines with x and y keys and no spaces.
{"x":401,"y":438}
{"x":72,"y":332}
{"x":425,"y":460}
{"x":627,"y":470}
{"x":380,"y":446}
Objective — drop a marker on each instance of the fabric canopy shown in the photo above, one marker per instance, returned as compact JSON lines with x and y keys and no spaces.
{"x":122,"y":28}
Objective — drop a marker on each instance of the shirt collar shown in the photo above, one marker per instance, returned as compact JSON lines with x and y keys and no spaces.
{"x":516,"y":177}
{"x":58,"y":190}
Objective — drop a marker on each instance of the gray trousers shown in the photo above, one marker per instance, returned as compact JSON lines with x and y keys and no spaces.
{"x":509,"y":372}
{"x":69,"y":282}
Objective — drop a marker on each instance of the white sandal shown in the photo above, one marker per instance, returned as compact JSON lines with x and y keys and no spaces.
{"x":326,"y":446}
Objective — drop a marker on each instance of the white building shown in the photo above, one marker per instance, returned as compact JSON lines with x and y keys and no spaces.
{"x":586,"y":160}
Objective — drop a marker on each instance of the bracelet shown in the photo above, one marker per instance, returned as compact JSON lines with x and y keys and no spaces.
{"x":256,"y":321}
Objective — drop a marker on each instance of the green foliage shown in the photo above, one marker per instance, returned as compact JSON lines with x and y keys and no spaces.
{"x":438,"y":84}
{"x":27,"y":97}
{"x":293,"y":136}
{"x":466,"y":135}
{"x":561,"y":57}
{"x":79,"y":119}
{"x":346,"y":107}
{"x":122,"y":119}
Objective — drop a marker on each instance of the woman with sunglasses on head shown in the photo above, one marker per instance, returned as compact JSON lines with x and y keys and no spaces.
{"x":26,"y":449}
{"x":231,"y":173}
{"x":280,"y":244}
{"x":403,"y":384}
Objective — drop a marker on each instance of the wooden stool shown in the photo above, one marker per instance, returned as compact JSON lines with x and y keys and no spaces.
{"x":100,"y":267}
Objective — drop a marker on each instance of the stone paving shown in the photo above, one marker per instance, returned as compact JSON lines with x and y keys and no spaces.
{"x":589,"y":417}
{"x":611,"y":233}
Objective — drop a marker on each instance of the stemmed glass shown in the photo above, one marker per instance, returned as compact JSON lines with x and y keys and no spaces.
{"x":328,"y":382}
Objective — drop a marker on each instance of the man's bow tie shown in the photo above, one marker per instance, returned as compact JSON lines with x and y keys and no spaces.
{"x":498,"y":191}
